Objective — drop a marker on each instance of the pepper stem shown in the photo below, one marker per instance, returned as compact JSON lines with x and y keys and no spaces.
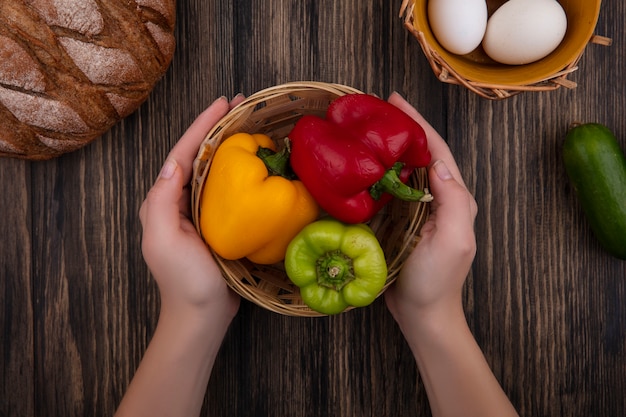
{"x":277,"y":163}
{"x":391,"y":183}
{"x":334,"y":270}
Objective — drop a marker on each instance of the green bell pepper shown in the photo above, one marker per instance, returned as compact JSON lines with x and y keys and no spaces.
{"x":336,"y":265}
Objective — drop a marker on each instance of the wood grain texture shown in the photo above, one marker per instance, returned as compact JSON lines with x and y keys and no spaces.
{"x":17,"y":359}
{"x":546,"y":304}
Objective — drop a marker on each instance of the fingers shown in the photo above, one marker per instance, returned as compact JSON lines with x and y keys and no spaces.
{"x":185,"y":151}
{"x":438,"y":147}
{"x":452,"y":200}
{"x":237,"y":100}
{"x":180,"y":159}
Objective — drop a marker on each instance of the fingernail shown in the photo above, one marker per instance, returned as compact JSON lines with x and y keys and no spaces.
{"x":442,"y":170}
{"x":239,"y":95}
{"x":220,"y":98}
{"x":169,"y":167}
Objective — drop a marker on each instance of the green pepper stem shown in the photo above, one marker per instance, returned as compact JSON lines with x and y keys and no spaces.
{"x":277,"y":163}
{"x":334,"y":270}
{"x":391,"y":183}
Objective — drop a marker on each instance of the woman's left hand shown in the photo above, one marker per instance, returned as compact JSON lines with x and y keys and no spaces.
{"x":178,"y":258}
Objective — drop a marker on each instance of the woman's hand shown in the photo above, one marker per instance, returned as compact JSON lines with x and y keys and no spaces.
{"x":178,"y":258}
{"x":197,"y":306}
{"x":426,"y":299}
{"x":433,"y":276}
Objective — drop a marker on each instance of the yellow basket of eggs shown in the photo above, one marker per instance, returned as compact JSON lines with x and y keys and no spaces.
{"x":274,"y":112}
{"x":499,"y":48}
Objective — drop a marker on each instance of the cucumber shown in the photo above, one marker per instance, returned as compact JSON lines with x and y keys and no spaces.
{"x":596,"y":167}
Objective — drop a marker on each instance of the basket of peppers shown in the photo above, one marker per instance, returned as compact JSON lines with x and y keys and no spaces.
{"x":310,"y":196}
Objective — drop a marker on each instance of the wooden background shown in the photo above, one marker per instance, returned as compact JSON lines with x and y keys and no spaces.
{"x":547,"y":305}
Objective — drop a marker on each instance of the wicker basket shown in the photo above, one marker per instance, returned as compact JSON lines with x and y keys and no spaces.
{"x":274,"y":112}
{"x":478,"y":73}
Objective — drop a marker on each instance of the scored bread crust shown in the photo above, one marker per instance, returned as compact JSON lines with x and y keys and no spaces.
{"x":71,"y":69}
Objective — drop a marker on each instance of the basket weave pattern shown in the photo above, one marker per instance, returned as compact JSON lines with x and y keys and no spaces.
{"x":274,"y":112}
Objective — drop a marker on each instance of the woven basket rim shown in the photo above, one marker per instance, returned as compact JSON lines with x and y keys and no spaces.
{"x":278,"y":90}
{"x":445,"y":72}
{"x":250,"y":280}
{"x":250,"y":103}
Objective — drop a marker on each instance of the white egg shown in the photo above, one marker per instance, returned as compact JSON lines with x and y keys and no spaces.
{"x":524,"y":31}
{"x":458,"y":25}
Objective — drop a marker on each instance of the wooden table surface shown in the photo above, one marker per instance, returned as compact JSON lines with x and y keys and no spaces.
{"x":545,"y":302}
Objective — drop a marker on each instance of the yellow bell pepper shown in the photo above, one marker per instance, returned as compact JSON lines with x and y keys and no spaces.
{"x":250,"y":206}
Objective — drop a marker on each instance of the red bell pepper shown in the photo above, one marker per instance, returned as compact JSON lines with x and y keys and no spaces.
{"x":359,"y":157}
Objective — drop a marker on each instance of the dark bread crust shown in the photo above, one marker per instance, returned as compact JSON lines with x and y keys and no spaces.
{"x":71,"y":69}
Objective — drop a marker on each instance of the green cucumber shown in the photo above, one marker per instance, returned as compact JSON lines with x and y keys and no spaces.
{"x":596,"y":167}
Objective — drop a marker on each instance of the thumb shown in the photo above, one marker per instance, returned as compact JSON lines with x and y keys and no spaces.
{"x":454,"y":206}
{"x":159,"y":214}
